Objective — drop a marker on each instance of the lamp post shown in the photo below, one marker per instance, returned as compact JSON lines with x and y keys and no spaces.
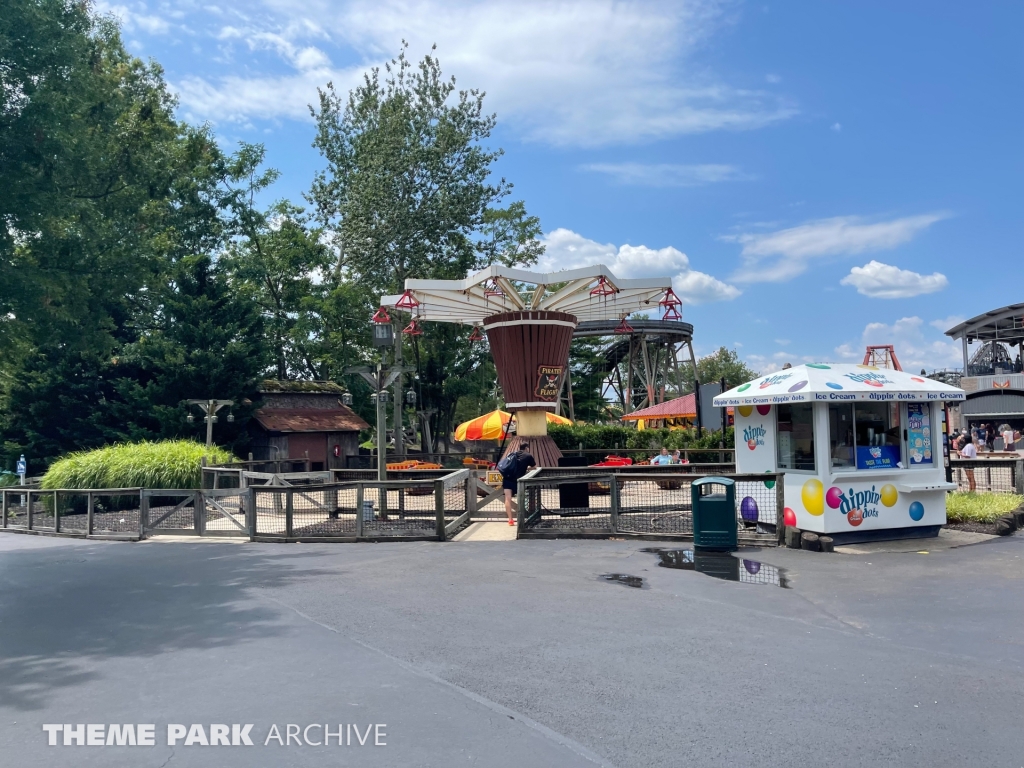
{"x":210,"y":408}
{"x":380,"y":378}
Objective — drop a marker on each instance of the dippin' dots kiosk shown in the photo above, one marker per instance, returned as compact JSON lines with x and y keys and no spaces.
{"x":860,"y":446}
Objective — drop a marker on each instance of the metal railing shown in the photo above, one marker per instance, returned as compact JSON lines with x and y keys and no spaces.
{"x":101,"y":513}
{"x":594,"y":455}
{"x":996,"y":475}
{"x":594,"y":503}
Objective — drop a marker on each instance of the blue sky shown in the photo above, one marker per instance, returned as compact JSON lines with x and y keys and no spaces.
{"x":815,"y":176}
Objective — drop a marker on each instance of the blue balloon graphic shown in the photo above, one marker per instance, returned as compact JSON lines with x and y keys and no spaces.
{"x":833,"y":385}
{"x":916,"y":510}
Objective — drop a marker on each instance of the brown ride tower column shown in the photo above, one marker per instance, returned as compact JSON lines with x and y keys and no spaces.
{"x":531,"y":352}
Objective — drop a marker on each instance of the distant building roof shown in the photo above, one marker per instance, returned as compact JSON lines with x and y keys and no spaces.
{"x":276,"y":386}
{"x":340,"y":419}
{"x":684,"y":407}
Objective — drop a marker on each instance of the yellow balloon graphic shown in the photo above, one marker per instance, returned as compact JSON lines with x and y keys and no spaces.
{"x":813,"y":495}
{"x":746,"y":410}
{"x":889,"y":495}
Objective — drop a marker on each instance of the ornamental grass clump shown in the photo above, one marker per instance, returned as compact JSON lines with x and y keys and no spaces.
{"x":966,"y":507}
{"x":165,"y":464}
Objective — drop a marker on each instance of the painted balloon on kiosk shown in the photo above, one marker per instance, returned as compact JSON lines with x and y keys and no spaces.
{"x":748,"y":509}
{"x":889,"y":494}
{"x":746,"y":410}
{"x":916,"y":510}
{"x":789,"y":517}
{"x":834,"y":497}
{"x":855,"y":517}
{"x":813,"y":497}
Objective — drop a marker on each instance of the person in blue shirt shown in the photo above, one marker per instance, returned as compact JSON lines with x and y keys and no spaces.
{"x":662,"y":458}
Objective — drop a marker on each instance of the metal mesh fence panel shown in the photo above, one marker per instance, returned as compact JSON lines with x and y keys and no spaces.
{"x":44,"y":512}
{"x":989,"y":475}
{"x":399,"y":508}
{"x":575,"y":504}
{"x":270,"y":507}
{"x":328,"y":511}
{"x":655,"y":505}
{"x":116,"y":512}
{"x":757,"y":502}
{"x":73,"y":509}
{"x":16,"y":503}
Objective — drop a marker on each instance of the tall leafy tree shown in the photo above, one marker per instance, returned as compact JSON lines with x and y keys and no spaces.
{"x":721,"y":363}
{"x":408,"y":192}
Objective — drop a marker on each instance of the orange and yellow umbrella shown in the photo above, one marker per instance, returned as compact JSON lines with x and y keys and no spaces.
{"x":491,"y":426}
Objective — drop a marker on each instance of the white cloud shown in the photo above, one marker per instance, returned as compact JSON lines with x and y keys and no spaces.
{"x":837,"y":127}
{"x":135,"y":19}
{"x":944,"y":324}
{"x":667,"y":174}
{"x":884,"y":281}
{"x":839,"y":236}
{"x":783,"y":342}
{"x":565,"y":73}
{"x":916,"y":347}
{"x":772,"y":79}
{"x":565,"y":249}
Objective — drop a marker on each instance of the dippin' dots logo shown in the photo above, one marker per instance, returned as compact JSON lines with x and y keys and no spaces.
{"x":754,"y":436}
{"x":214,"y":735}
{"x":776,"y":379}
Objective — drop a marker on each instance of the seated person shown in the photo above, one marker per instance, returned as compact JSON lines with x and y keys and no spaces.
{"x":662,"y":458}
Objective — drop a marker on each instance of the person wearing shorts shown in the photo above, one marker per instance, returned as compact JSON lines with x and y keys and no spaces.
{"x":969,"y":452}
{"x":510,"y":482}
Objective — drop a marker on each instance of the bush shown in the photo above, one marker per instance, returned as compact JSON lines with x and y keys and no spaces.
{"x":596,"y":436}
{"x":8,"y":478}
{"x":966,"y":507}
{"x":166,"y":464}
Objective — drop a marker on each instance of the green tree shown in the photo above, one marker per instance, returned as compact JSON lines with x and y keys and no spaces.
{"x":407,"y":179}
{"x":509,"y":236}
{"x":721,"y":363}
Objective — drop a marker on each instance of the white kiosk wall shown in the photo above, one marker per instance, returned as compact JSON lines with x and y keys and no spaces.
{"x":838,"y":499}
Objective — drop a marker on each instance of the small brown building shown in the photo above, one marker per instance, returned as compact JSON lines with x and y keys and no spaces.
{"x":300,"y":418}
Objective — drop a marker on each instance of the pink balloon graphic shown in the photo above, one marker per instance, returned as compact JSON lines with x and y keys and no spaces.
{"x":763,"y":409}
{"x":834,"y":498}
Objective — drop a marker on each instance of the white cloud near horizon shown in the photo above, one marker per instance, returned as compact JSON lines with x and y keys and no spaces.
{"x":667,"y":174}
{"x":788,"y":252}
{"x":564,"y":73}
{"x":565,"y":249}
{"x":884,"y":281}
{"x":916,"y":347}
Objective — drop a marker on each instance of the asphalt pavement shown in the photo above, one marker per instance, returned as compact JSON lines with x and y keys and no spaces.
{"x":510,"y":653}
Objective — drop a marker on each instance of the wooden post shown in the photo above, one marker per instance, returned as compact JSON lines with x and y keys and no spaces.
{"x":199,"y":515}
{"x":28,"y":499}
{"x":90,"y":506}
{"x":3,"y":507}
{"x":471,"y":496}
{"x":252,"y":512}
{"x":613,"y":492}
{"x":289,"y":513}
{"x":359,"y":511}
{"x":439,"y":507}
{"x":56,"y":514}
{"x":143,"y":512}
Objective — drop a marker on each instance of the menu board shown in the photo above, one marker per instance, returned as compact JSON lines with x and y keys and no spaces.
{"x":919,"y":434}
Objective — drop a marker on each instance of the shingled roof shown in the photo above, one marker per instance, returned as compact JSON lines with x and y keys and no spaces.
{"x":340,"y":419}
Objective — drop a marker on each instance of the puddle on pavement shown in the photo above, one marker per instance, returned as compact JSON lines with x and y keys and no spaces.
{"x":624,"y":578}
{"x":720,"y":565}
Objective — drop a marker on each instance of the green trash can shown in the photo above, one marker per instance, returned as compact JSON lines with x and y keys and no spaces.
{"x":714,"y":514}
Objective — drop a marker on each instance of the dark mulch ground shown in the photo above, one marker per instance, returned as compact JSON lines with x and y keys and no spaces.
{"x":989,"y":528}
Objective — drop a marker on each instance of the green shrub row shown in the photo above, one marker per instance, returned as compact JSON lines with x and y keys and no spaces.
{"x":597,"y":436}
{"x":166,"y":464}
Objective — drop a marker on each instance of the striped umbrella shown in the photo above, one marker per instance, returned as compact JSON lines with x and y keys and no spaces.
{"x":491,"y":426}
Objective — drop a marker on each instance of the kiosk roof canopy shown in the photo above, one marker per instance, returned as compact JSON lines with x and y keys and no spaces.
{"x":588,"y":293}
{"x":828,"y":382}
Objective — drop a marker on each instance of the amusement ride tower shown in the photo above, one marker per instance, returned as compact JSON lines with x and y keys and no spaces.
{"x":529,"y":319}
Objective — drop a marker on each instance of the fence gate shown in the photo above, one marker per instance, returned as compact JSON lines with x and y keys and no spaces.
{"x":223,"y":512}
{"x":170,"y":512}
